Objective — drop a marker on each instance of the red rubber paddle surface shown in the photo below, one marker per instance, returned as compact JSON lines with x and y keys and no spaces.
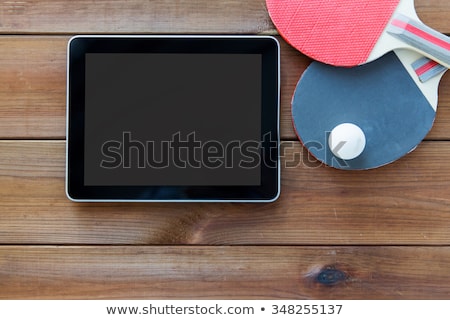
{"x":340,"y":33}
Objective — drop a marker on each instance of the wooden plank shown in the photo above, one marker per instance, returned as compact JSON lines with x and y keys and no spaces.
{"x":224,"y":272}
{"x":160,"y":16}
{"x":33,"y":89}
{"x":430,"y":10}
{"x":405,"y":203}
{"x":134,"y":16}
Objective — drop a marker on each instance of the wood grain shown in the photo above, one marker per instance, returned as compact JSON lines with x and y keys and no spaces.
{"x":161,"y":16}
{"x":133,"y":16}
{"x":32,"y":87}
{"x":33,"y":92}
{"x":224,"y":272}
{"x":403,"y":203}
{"x":310,"y":244}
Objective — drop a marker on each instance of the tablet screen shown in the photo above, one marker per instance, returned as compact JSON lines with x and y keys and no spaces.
{"x":173,"y":118}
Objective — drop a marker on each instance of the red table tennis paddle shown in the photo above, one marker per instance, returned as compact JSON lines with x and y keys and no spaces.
{"x":354,"y":32}
{"x":367,"y":116}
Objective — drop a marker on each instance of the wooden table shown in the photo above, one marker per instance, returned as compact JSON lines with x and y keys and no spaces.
{"x":379,"y":234}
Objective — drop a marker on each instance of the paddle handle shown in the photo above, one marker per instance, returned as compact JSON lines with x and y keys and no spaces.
{"x":427,"y":69}
{"x":426,"y":40}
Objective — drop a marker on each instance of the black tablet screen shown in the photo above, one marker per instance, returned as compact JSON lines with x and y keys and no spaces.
{"x":172,"y":119}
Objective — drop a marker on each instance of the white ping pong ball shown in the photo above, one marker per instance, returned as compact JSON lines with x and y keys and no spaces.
{"x":347,"y":141}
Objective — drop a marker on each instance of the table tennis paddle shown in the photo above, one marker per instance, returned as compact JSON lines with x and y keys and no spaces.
{"x":367,"y":116}
{"x":354,"y":32}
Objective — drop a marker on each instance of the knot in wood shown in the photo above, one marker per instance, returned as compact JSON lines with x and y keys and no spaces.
{"x":331,"y":276}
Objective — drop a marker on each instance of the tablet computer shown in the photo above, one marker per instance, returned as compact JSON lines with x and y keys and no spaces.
{"x":173,"y":118}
